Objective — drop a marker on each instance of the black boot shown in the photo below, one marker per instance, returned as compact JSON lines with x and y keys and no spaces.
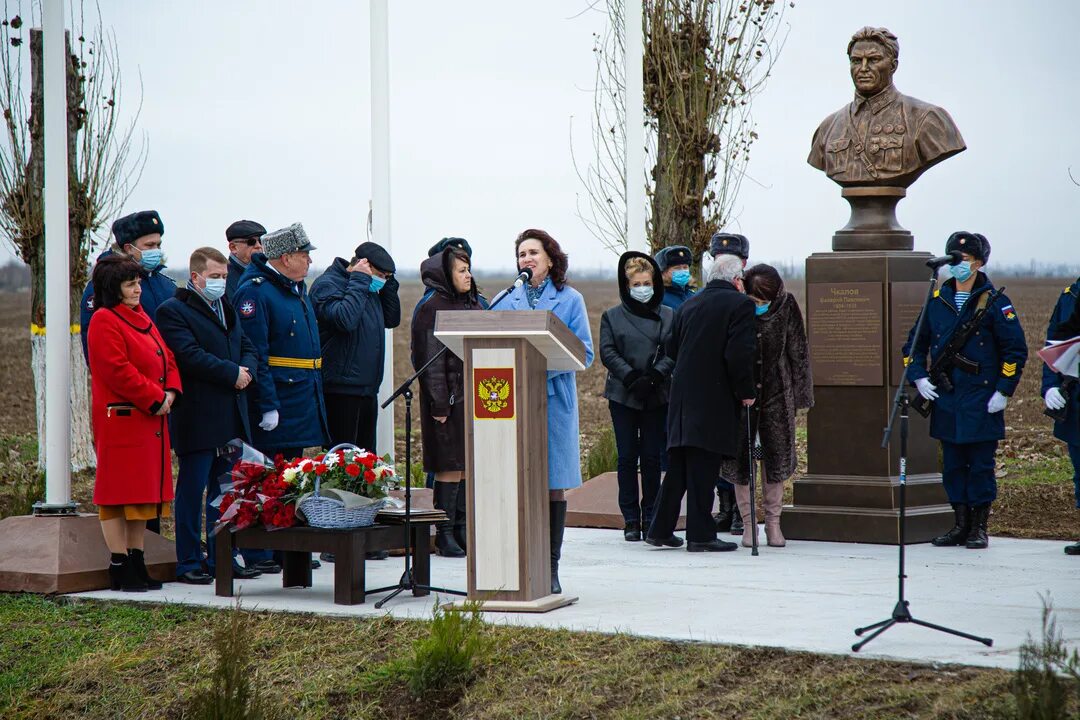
{"x":632,"y":531}
{"x":1073,"y":549}
{"x":461,"y":529}
{"x":123,"y":575}
{"x":960,"y":530}
{"x":977,"y":538}
{"x":736,"y":519}
{"x":445,"y":496}
{"x":139,"y":562}
{"x":725,"y":510}
{"x":117,"y":563}
{"x":558,"y":529}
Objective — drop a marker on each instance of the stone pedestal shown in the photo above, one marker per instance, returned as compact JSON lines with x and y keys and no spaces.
{"x":860,"y":307}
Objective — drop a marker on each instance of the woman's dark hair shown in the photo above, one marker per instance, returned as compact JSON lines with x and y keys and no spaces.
{"x":762,"y":281}
{"x":110,"y":273}
{"x":559,"y":261}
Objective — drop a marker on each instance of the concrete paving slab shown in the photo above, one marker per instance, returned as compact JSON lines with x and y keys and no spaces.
{"x":808,"y":596}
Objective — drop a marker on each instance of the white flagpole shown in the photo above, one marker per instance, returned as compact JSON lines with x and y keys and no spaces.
{"x":633,"y":60}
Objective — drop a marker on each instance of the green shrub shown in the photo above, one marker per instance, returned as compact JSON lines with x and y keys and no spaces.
{"x":1049,"y":675}
{"x":450,"y":655}
{"x":234,"y":692}
{"x":603,"y":456}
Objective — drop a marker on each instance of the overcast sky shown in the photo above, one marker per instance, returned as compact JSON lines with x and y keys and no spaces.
{"x":260,"y":110}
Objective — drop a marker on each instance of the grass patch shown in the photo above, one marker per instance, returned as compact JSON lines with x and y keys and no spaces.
{"x":93,"y":660}
{"x":603,"y":456}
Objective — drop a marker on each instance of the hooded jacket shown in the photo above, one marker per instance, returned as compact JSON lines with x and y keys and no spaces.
{"x":633,"y":336}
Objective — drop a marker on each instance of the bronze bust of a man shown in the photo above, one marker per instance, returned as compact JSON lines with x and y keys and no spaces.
{"x":883,"y":138}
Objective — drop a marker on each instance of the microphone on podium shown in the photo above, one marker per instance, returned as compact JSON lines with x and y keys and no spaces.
{"x":523,"y":277}
{"x":953,"y":258}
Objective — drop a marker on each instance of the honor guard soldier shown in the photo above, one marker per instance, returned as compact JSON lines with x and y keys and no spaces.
{"x":976,"y":352}
{"x":245,"y":239}
{"x":138,"y":236}
{"x":674,"y":262}
{"x":1061,"y":392}
{"x":288,"y":410}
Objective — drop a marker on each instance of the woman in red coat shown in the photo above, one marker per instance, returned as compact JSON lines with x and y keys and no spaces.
{"x":134,"y":382}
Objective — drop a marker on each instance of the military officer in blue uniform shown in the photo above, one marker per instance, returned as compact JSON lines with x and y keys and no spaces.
{"x":1060,"y":395}
{"x":245,"y":239}
{"x":288,"y":410}
{"x":138,"y":236}
{"x":970,"y":420}
{"x":674,"y":262}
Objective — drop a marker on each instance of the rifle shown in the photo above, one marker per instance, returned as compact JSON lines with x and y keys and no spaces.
{"x":941,"y":369}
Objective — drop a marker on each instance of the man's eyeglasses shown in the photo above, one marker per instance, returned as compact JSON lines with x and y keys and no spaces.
{"x":251,"y":241}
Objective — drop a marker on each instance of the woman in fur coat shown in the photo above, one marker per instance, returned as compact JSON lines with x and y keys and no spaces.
{"x":782,"y":374}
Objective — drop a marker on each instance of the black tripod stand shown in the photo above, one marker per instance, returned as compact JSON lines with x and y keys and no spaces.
{"x":901,"y":404}
{"x":407,"y":581}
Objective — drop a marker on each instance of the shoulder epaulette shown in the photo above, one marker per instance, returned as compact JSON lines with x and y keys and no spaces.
{"x":937,"y":293}
{"x":257,"y":280}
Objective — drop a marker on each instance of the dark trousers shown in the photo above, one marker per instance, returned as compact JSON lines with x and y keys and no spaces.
{"x":1074,"y":455}
{"x":252,"y":556}
{"x":967,"y":471}
{"x":692,"y":471}
{"x":198,"y":475}
{"x":352,"y":419}
{"x":639,"y":437}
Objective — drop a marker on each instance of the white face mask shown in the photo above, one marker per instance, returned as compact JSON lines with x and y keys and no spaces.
{"x":642,"y":293}
{"x":215,"y":288}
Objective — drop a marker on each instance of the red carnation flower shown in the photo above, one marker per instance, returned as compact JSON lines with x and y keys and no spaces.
{"x":369,"y":477}
{"x":320,"y":469}
{"x":352,"y":470}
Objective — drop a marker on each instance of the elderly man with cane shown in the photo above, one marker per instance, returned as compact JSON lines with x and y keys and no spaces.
{"x":713,"y":345}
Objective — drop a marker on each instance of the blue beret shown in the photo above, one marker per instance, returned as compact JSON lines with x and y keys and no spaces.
{"x":729,"y":244}
{"x":673,"y":255}
{"x":974,"y":244}
{"x":130,"y":228}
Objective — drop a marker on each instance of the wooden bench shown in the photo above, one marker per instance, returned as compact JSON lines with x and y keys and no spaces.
{"x":348,"y":546}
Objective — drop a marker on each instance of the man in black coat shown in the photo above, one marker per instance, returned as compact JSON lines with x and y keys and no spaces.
{"x":713,"y":344}
{"x":245,"y":239}
{"x":216,"y":364}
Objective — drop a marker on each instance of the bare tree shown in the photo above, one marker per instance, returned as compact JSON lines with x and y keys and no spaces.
{"x":104,"y":164}
{"x":705,"y":62}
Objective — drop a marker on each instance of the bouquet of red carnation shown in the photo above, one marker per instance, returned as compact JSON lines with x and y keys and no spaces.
{"x":256,"y":490}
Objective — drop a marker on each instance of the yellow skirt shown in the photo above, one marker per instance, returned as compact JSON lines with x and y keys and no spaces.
{"x":140,"y":511}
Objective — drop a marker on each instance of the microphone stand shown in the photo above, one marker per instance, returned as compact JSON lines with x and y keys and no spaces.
{"x":408,"y":581}
{"x":901,"y":402}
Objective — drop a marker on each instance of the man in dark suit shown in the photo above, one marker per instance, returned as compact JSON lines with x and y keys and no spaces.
{"x":245,"y":239}
{"x":216,"y":364}
{"x":713,"y":344}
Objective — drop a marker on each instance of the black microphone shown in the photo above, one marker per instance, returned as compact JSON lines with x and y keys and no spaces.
{"x":953,"y":258}
{"x":523,"y":277}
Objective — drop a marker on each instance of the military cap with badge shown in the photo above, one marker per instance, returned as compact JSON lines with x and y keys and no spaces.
{"x":673,"y":255}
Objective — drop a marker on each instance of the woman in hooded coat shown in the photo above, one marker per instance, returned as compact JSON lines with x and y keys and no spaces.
{"x":632,"y":339}
{"x":442,"y":391}
{"x":782,"y":374}
{"x":539,"y":253}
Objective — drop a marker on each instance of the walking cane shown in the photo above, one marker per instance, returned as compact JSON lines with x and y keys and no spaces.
{"x":753,"y":491}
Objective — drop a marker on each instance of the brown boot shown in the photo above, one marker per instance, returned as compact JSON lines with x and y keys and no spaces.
{"x":742,"y":499}
{"x":774,"y":501}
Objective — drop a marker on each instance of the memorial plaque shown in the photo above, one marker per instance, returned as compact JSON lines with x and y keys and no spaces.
{"x":905,"y":301}
{"x":846,"y":333}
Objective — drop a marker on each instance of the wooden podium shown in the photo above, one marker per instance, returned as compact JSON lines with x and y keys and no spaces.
{"x":507,"y":356}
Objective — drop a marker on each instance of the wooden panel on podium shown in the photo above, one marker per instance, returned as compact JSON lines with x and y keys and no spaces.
{"x":506,"y":357}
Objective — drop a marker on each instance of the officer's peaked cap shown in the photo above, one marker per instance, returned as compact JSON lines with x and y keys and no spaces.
{"x":723,"y":243}
{"x":673,"y":255}
{"x":974,"y":244}
{"x":131,"y":227}
{"x":286,"y":240}
{"x":450,"y":242}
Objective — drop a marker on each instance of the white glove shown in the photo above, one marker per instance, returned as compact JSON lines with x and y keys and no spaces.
{"x":926,"y":388}
{"x":1054,"y":399}
{"x":269,"y":420}
{"x":997,"y":403}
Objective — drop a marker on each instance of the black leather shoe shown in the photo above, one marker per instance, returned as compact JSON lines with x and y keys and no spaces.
{"x":377,"y":555}
{"x":267,"y":567}
{"x":1073,"y":549}
{"x":632,"y":532}
{"x":711,"y":546}
{"x":672,"y":541}
{"x":243,"y":573}
{"x":958,"y":535}
{"x":315,"y":564}
{"x":326,"y":557}
{"x":195,"y":577}
{"x":737,"y":526}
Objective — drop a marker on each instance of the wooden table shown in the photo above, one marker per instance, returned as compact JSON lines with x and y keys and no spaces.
{"x":348,"y":546}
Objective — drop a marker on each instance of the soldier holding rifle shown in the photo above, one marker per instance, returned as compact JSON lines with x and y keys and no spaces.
{"x":976,"y":351}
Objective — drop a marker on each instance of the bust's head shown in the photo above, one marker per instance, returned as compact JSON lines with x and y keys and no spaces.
{"x":873,"y":54}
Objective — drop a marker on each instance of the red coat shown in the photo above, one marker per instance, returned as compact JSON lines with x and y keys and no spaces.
{"x":130,"y":370}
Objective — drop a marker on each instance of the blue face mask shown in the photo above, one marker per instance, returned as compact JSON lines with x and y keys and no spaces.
{"x":762,"y":309}
{"x":681,"y":278}
{"x":376,"y":283}
{"x":150,"y":259}
{"x":961,"y":272}
{"x":215,"y":288}
{"x":642,"y":293}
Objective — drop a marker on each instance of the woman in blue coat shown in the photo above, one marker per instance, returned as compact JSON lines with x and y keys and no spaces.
{"x":547,"y":290}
